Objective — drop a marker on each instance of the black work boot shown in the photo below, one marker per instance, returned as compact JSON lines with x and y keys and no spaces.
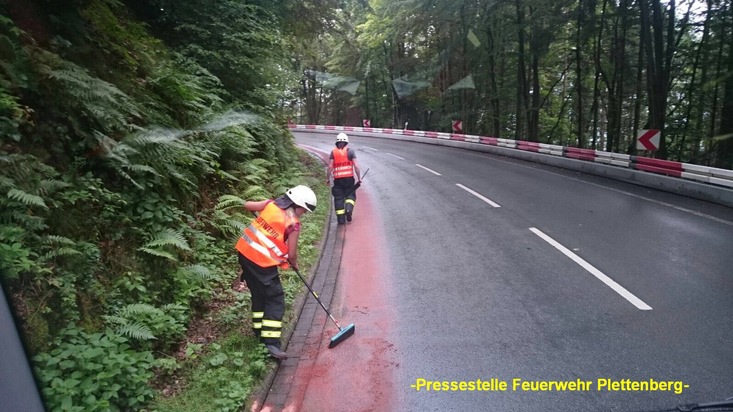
{"x":276,"y":352}
{"x":349,"y":210}
{"x":341,"y":219}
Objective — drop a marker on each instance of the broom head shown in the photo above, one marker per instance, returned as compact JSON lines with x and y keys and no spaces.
{"x":343,"y":334}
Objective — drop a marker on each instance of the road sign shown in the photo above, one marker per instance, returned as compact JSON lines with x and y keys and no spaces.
{"x":366,"y":123}
{"x":648,"y":139}
{"x":457,"y":126}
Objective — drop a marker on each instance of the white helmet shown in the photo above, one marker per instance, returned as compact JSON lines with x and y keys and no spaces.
{"x":342,"y":137}
{"x":303,"y":196}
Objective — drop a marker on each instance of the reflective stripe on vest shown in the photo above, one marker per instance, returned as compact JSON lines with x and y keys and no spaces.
{"x":342,"y":166}
{"x":263,"y":241}
{"x":268,"y":244}
{"x":279,"y":258}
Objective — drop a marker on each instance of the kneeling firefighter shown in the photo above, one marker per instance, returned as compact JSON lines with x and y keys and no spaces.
{"x":342,"y":166}
{"x":269,"y":242}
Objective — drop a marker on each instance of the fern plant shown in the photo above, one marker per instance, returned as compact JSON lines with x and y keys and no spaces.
{"x":228,"y":202}
{"x":161,"y":244}
{"x":59,"y":246}
{"x":190,"y":92}
{"x":220,"y":218}
{"x":107,"y":106}
{"x":144,"y":322}
{"x":26,"y":186}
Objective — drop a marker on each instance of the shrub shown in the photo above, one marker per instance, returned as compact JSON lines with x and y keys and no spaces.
{"x":94,"y":371}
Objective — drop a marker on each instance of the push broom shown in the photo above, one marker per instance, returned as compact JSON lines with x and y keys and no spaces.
{"x":343,"y":333}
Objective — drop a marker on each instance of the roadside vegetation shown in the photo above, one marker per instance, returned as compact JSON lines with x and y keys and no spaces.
{"x":131,"y":134}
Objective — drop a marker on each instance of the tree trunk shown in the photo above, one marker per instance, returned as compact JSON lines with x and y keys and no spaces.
{"x":494,"y":107}
{"x":658,"y":62}
{"x":580,"y":119}
{"x":724,"y":152}
{"x":522,"y":98}
{"x":694,"y":86}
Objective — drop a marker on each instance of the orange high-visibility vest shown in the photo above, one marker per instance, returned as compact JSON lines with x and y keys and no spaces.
{"x":263,"y":241}
{"x":342,"y":166}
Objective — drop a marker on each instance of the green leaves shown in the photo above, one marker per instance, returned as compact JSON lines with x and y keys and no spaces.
{"x":115,"y":220}
{"x":97,"y":371}
{"x":167,"y":239}
{"x":229,"y":201}
{"x":103,"y":102}
{"x":142,"y":321}
{"x":26,"y":198}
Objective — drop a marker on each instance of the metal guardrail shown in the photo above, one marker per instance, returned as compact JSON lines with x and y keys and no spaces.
{"x":715,"y":184}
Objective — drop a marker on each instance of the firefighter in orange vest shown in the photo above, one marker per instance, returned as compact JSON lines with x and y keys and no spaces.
{"x":342,"y":166}
{"x":271,"y":241}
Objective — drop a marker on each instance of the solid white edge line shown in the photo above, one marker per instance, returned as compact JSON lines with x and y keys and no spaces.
{"x":595,"y":272}
{"x":401,"y":158}
{"x":429,"y":170}
{"x":478,"y":195}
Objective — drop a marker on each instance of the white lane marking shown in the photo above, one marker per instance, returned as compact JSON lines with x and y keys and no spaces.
{"x":370,"y":148}
{"x":659,"y":202}
{"x":401,"y":158}
{"x":595,"y":272}
{"x":478,"y":195}
{"x":429,"y":170}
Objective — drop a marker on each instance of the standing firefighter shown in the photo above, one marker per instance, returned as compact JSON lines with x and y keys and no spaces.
{"x":271,"y":241}
{"x":342,"y":166}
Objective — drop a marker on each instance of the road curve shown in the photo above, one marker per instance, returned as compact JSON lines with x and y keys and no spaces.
{"x":527,"y":275}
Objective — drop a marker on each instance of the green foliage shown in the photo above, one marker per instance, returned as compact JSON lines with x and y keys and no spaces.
{"x":60,"y":246}
{"x":99,"y":100}
{"x":115,"y":158}
{"x":224,"y":377}
{"x":94,"y":371}
{"x":28,"y":186}
{"x":15,"y":257}
{"x":229,"y":201}
{"x":231,"y":39}
{"x":187,"y":91}
{"x":163,"y":242}
{"x":13,"y":59}
{"x":231,"y":316}
{"x":144,"y":322}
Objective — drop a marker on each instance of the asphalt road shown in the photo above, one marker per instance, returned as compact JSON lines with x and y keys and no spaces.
{"x":518,"y":272}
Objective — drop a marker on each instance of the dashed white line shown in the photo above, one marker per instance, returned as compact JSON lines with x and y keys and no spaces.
{"x":429,"y":170}
{"x":370,"y":148}
{"x":595,"y":272}
{"x":659,"y":202}
{"x":478,"y":195}
{"x":401,"y":158}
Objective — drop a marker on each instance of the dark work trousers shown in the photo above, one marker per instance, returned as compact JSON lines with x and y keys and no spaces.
{"x":343,"y":201}
{"x":268,"y":300}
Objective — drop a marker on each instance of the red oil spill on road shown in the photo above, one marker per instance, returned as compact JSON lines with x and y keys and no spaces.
{"x":358,"y":374}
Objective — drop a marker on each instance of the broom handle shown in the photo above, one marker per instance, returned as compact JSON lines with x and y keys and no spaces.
{"x":356,"y":186}
{"x":311,"y":289}
{"x":315,"y":295}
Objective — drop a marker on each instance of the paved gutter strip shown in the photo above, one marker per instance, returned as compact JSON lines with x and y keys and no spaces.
{"x":276,"y":384}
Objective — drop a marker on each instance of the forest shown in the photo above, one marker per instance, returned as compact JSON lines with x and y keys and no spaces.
{"x":133,"y":130}
{"x":586,"y":73}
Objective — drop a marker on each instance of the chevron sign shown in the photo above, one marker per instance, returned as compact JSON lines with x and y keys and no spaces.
{"x":457,"y":126}
{"x":648,"y":139}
